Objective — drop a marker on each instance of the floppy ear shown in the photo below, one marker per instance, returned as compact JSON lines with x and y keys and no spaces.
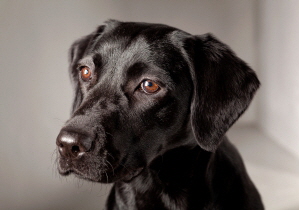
{"x":78,"y":49}
{"x":224,"y":86}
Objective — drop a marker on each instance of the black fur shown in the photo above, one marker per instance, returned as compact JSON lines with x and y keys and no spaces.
{"x":165,"y":150}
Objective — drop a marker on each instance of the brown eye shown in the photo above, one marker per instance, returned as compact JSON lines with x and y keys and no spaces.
{"x":148,"y":86}
{"x":85,"y":73}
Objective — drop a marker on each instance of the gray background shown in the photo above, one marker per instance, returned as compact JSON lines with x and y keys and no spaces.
{"x":36,"y":94}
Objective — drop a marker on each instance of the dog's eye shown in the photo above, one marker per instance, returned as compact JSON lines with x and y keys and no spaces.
{"x":148,"y":86}
{"x":85,"y":73}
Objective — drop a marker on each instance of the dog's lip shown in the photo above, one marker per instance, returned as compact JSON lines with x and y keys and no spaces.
{"x":65,"y":172}
{"x":69,"y":171}
{"x":127,"y":177}
{"x":66,"y":168}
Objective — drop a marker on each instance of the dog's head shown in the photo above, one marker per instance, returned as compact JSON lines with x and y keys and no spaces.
{"x":142,"y":89}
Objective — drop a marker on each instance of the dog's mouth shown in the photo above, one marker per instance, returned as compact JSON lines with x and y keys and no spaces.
{"x":79,"y":174}
{"x":98,"y":171}
{"x":65,"y":170}
{"x":88,"y":170}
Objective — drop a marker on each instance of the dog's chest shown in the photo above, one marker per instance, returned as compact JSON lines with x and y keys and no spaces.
{"x":147,"y":198}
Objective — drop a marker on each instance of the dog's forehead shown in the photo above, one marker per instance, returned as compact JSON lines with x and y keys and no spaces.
{"x":127,"y":43}
{"x":130,"y":40}
{"x":123,"y":50}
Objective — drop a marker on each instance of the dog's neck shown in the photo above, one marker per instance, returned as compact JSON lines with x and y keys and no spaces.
{"x":168,"y":183}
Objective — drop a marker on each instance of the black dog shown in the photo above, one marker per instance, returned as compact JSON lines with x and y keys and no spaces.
{"x":152,"y":105}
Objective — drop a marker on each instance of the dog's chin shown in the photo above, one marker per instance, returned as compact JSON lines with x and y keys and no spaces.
{"x":104,"y":176}
{"x":100,"y":177}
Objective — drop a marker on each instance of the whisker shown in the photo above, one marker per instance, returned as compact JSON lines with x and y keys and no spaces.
{"x":110,"y":166}
{"x":54,"y":161}
{"x":109,"y":134}
{"x":106,"y":177}
{"x":110,"y":155}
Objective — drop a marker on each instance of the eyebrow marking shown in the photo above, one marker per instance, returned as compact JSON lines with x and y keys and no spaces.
{"x":136,"y":70}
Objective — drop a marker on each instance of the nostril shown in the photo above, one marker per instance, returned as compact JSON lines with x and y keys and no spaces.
{"x":75,"y":149}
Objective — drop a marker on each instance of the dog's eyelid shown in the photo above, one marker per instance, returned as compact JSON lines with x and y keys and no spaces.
{"x":81,"y":66}
{"x":153,"y":79}
{"x":85,"y":62}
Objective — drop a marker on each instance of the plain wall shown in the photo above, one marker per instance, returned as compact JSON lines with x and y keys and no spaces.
{"x":36,"y":94}
{"x":278,"y":64}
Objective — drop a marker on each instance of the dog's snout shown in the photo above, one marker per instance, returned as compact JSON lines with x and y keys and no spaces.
{"x":73,"y":144}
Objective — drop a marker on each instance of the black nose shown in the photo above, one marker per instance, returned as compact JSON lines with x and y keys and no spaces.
{"x":72,"y":144}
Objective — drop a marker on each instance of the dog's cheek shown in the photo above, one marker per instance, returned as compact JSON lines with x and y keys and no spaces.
{"x":165,"y":116}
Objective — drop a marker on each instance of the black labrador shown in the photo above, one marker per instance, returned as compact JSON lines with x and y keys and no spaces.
{"x":152,"y":105}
